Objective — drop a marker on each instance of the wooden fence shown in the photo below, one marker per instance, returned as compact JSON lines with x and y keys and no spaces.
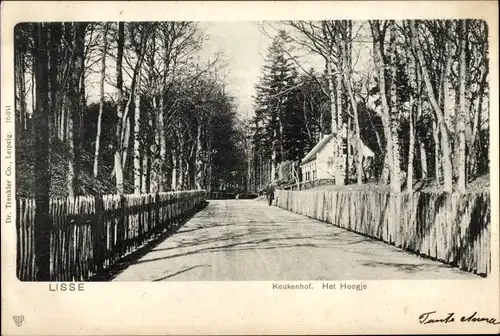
{"x":452,"y":228}
{"x":308,"y":184}
{"x":226,"y":196}
{"x":90,"y":233}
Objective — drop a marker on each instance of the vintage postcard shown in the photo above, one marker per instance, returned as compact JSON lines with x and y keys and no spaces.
{"x":239,"y":167}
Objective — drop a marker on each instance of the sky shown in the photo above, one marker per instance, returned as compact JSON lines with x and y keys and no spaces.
{"x":244,"y":47}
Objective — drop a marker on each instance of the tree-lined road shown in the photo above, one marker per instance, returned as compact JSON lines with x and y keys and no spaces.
{"x":167,"y":117}
{"x":248,"y":240}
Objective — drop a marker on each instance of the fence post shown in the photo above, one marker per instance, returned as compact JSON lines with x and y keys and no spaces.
{"x":97,"y":233}
{"x":140,"y":217}
{"x":121,"y":226}
{"x":157,"y":212}
{"x":42,"y":233}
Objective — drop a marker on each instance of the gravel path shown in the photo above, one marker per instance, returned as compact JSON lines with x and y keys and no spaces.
{"x":248,"y":240}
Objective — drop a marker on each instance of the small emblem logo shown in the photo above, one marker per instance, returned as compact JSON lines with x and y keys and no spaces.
{"x":18,"y":319}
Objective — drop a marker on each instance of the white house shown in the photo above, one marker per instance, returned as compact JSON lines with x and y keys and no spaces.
{"x":318,"y":163}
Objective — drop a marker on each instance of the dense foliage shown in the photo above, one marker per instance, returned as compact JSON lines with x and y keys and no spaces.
{"x":129,"y":107}
{"x":415,"y":92}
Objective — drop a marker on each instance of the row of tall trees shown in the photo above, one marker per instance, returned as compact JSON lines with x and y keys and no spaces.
{"x":131,"y":103}
{"x":276,"y":135}
{"x":414,"y":91}
{"x":290,"y":113}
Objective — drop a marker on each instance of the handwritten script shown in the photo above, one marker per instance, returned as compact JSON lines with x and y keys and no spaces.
{"x":432,"y":317}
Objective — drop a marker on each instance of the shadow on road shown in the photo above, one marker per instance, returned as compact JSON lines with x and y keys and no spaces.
{"x":234,"y":242}
{"x":113,"y":271}
{"x":406,"y":267}
{"x":216,"y":234}
{"x":185,"y":269}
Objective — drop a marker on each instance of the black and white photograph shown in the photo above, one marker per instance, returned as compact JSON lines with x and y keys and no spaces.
{"x":315,"y":150}
{"x":282,"y":167}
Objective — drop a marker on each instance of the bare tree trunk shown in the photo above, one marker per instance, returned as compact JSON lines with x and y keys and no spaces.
{"x":209,"y":178}
{"x":386,"y":121}
{"x":83,"y":98}
{"x":281,"y":134}
{"x":359,"y":143}
{"x":445,"y":145}
{"x":384,"y":176}
{"x":354,"y":106}
{"x":462,"y":167}
{"x":180,"y":185}
{"x":335,"y":111}
{"x":75,"y":102}
{"x":155,"y":148}
{"x":447,"y":100}
{"x":340,"y":137}
{"x":20,"y":70}
{"x":198,"y":163}
{"x":263,"y":173}
{"x":331,"y":96}
{"x":119,"y":172}
{"x":64,"y":119}
{"x":33,"y":90}
{"x":421,"y":144}
{"x":127,"y":115}
{"x":146,"y":156}
{"x":412,"y":85}
{"x":191,"y":162}
{"x":394,"y":113}
{"x":473,"y":141}
{"x":144,"y":174}
{"x":249,"y":171}
{"x":119,"y":112}
{"x":175,"y":163}
{"x":185,"y":176}
{"x":477,"y":120}
{"x":55,"y":32}
{"x":437,"y":146}
{"x":272,"y":178}
{"x":55,"y":38}
{"x":167,"y":51}
{"x":69,"y":56}
{"x":101,"y":99}
{"x":72,"y":127}
{"x":126,"y":136}
{"x":137,"y":154}
{"x":321,"y":124}
{"x":163,"y":146}
{"x":42,"y":160}
{"x":446,"y":157}
{"x":409,"y":180}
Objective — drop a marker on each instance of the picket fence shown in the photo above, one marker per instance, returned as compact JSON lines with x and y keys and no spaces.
{"x":91,"y":233}
{"x":452,"y":228}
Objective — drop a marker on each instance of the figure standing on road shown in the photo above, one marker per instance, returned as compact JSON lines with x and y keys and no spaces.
{"x":270,"y":194}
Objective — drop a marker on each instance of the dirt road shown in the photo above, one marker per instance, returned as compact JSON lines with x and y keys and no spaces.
{"x":248,"y":240}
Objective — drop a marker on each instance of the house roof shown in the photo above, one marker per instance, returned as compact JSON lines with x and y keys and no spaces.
{"x":367,"y":152}
{"x":316,"y":149}
{"x":323,"y":142}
